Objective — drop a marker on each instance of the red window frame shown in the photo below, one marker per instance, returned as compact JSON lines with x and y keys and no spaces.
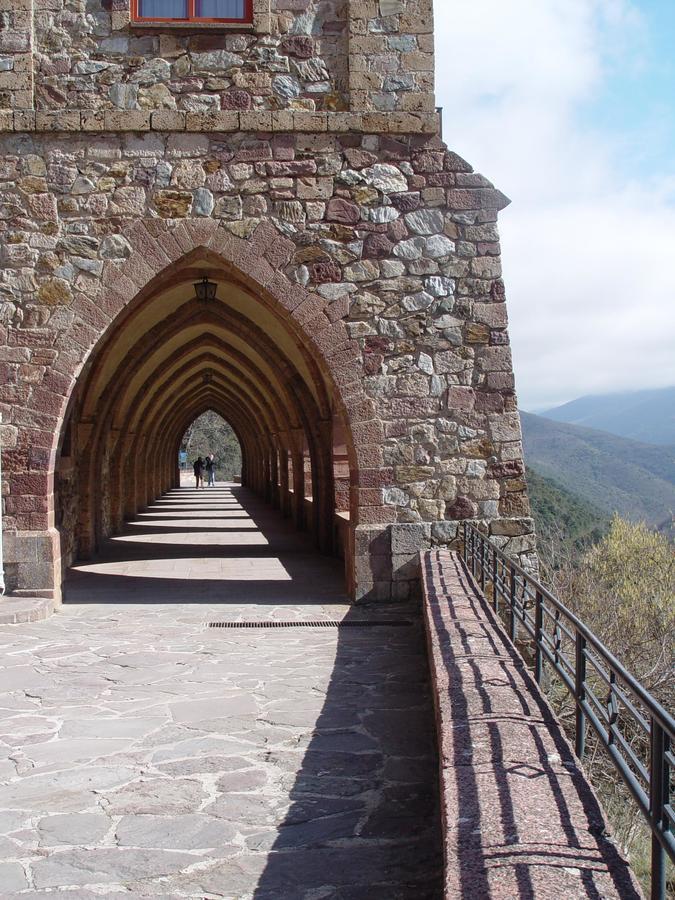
{"x":246,"y":19}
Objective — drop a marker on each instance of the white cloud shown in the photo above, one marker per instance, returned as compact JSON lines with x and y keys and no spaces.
{"x":589,"y":248}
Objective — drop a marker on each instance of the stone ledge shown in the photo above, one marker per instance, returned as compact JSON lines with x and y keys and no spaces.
{"x":88,"y":121}
{"x":20,"y":610}
{"x":516,"y":806}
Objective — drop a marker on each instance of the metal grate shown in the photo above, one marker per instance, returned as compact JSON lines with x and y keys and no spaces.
{"x":317,"y":623}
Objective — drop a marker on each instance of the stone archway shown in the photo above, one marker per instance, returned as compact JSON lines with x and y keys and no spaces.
{"x":127,"y":401}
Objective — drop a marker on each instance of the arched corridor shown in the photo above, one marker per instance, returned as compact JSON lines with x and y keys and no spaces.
{"x":218,"y":545}
{"x":202,"y":335}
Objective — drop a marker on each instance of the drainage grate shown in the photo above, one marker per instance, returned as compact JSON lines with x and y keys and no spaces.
{"x":318,"y":623}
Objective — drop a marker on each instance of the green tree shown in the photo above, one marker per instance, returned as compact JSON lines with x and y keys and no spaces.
{"x":210,"y":433}
{"x":623,"y":589}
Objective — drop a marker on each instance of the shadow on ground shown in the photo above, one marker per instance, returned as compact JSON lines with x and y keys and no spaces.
{"x":213,"y":545}
{"x":364,"y":820}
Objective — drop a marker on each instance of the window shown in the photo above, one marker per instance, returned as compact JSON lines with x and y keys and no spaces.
{"x":193,"y":11}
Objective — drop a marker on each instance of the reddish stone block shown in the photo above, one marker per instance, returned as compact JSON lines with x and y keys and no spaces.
{"x":428,"y":161}
{"x":377,"y":246}
{"x":325,"y":272}
{"x":310,"y":307}
{"x":21,"y":504}
{"x":406,"y":202}
{"x":454,"y":163}
{"x":369,"y":496}
{"x":42,"y":400}
{"x":374,"y":344}
{"x":461,"y":508}
{"x":368,"y":456}
{"x":360,"y":409}
{"x":360,"y":159}
{"x":368,"y":432}
{"x":375,"y":478}
{"x":477,"y":198}
{"x":30,"y":338}
{"x":396,"y":429}
{"x":489,"y":401}
{"x":279,"y":252}
{"x":462,"y":398}
{"x":299,"y":45}
{"x":397,"y":231}
{"x":57,"y":383}
{"x":251,"y":151}
{"x":499,"y":338}
{"x":348,"y":350}
{"x":338,"y":309}
{"x":288,"y":295}
{"x":376,"y":515}
{"x":237,"y":100}
{"x":441,"y":179}
{"x":510,"y":469}
{"x":290,"y":168}
{"x":342,"y":211}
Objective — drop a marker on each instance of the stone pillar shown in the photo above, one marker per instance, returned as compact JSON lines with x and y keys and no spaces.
{"x":284,"y":498}
{"x":298,"y":510}
{"x":324,"y":488}
{"x":274,"y":477}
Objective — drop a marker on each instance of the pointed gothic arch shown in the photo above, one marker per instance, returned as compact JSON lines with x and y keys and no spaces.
{"x":272,"y":357}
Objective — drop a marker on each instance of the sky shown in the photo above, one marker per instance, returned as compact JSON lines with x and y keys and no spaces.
{"x":568,"y":107}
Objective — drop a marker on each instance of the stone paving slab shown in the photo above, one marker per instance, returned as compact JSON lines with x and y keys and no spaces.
{"x":519,"y":817}
{"x":143,"y":754}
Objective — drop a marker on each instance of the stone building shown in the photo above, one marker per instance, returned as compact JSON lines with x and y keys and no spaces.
{"x":291,"y":155}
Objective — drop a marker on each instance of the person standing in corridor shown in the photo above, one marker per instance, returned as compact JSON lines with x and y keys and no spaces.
{"x":211,"y":470}
{"x":198,"y":469}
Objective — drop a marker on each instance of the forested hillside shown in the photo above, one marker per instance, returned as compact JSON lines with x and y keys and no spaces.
{"x":612,"y":473}
{"x":560,"y":514}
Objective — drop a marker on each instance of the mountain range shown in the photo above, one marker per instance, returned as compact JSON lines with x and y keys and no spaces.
{"x":647,"y":416}
{"x":611,"y":473}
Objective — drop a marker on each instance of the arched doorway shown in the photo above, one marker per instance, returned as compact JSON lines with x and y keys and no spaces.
{"x":210,"y":437}
{"x":268,"y":356}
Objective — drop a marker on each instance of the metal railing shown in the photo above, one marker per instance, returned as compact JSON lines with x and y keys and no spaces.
{"x":636,"y":732}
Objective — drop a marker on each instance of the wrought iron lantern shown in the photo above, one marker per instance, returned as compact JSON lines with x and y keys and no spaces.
{"x":205,"y":289}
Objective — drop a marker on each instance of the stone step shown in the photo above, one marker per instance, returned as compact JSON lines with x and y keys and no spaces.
{"x":16,"y":610}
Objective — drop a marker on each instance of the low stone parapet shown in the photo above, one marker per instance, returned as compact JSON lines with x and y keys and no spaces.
{"x":520,"y":818}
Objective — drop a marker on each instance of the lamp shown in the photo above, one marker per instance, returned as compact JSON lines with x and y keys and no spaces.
{"x":208,"y":376}
{"x":205,"y":289}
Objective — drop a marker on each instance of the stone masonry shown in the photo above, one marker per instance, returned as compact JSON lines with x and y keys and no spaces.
{"x":301,"y":154}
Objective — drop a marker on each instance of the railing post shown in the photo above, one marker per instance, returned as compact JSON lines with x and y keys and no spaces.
{"x":657,"y":788}
{"x":473,"y":553}
{"x":465,"y":543}
{"x":495,"y":574}
{"x":580,"y":695}
{"x":483,"y":555}
{"x":538,"y":637}
{"x":512,"y":600}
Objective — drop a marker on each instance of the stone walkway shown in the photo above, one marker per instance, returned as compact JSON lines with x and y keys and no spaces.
{"x":143,"y":754}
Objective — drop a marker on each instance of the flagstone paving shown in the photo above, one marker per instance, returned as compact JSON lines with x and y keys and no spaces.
{"x":143,"y":754}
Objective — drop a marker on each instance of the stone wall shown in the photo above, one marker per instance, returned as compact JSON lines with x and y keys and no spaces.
{"x":84,"y":63}
{"x":394,"y":233}
{"x":306,"y":145}
{"x":299,"y":54}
